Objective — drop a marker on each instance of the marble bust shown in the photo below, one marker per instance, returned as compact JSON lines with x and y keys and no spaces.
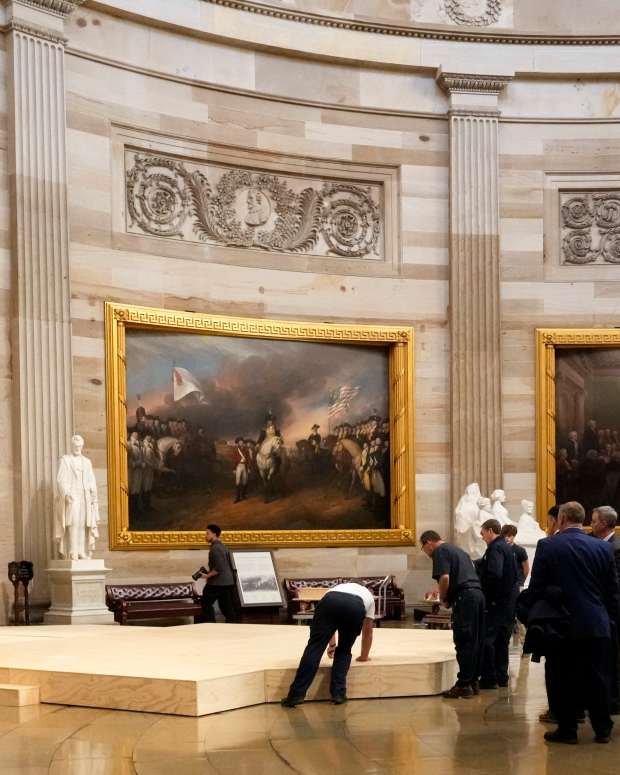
{"x":76,"y":515}
{"x":528,"y":529}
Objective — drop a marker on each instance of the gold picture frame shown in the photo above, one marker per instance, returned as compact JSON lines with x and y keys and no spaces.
{"x":399,"y":339}
{"x":548,"y":340}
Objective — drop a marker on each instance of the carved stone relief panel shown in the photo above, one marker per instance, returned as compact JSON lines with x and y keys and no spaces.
{"x":590,"y":227}
{"x":581,"y":220}
{"x":245,"y":207}
{"x":474,"y":13}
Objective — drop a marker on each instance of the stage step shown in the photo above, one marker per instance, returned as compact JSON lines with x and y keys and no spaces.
{"x":17,"y":695}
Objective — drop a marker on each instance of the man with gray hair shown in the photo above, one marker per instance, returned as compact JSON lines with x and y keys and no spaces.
{"x":582,"y":568}
{"x":604,"y":520}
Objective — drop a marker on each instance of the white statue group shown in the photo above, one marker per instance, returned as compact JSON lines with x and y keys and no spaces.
{"x":473,"y":509}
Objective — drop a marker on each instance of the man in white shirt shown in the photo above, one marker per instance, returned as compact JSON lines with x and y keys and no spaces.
{"x":347,"y":609}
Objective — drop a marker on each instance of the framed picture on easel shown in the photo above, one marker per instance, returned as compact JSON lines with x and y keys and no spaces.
{"x":256,"y":579}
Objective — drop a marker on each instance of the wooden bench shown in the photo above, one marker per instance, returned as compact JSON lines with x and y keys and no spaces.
{"x":392,"y":597}
{"x":152,"y":601}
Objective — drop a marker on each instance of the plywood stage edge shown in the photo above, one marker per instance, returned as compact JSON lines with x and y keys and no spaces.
{"x":195,"y":670}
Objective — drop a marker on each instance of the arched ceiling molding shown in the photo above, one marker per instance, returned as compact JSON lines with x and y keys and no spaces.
{"x":473,"y":35}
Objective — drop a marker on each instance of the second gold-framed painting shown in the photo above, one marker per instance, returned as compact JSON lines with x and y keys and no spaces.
{"x":285,"y":433}
{"x":578,"y":418}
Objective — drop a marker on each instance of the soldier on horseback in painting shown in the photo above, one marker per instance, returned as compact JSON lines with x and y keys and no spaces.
{"x":270,"y":455}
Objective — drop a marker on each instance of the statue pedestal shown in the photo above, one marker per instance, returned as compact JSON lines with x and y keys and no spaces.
{"x":78,"y":592}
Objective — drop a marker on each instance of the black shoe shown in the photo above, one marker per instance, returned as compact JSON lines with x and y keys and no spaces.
{"x":570,"y":738}
{"x":466,"y":692}
{"x":548,"y":718}
{"x":291,"y":702}
{"x":487,"y":685}
{"x":340,"y":699}
{"x":604,"y":738}
{"x":503,"y":684}
{"x":475,"y":687}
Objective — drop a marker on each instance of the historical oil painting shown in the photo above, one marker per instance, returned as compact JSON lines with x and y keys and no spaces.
{"x":588,"y":426}
{"x":256,"y":434}
{"x":285,"y":433}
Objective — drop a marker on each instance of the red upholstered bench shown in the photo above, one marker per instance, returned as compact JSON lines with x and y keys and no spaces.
{"x":395,"y":600}
{"x":152,"y":601}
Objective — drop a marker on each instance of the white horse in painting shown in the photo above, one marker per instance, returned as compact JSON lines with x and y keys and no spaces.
{"x":270,"y":460}
{"x":168,"y":448}
{"x":355,"y":451}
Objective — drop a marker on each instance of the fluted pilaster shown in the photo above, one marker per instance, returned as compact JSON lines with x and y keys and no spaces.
{"x":476,"y":411}
{"x":40,"y":237}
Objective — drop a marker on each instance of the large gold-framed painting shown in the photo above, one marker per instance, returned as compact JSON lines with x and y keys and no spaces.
{"x":578,"y":422}
{"x":285,"y":433}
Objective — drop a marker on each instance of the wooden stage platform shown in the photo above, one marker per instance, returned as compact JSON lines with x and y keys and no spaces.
{"x":207,"y":668}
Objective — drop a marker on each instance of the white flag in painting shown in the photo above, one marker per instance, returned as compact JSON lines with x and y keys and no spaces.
{"x":184,"y":383}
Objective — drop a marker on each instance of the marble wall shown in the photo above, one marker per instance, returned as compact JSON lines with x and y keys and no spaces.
{"x":536,"y":289}
{"x":410,"y":287}
{"x":284,"y":91}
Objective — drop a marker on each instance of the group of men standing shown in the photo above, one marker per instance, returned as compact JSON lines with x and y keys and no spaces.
{"x":570,"y":608}
{"x":483,"y":599}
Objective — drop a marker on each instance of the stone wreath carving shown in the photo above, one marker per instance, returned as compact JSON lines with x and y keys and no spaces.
{"x":591,"y":228}
{"x":251,"y":209}
{"x":457,"y":11}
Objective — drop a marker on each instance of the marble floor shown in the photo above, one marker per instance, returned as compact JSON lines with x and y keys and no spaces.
{"x":494,"y":734}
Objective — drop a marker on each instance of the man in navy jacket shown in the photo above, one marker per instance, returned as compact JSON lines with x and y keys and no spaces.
{"x":580,"y":666}
{"x":498,"y":578}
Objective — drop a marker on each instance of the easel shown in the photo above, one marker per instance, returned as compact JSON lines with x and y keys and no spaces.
{"x":21,"y":573}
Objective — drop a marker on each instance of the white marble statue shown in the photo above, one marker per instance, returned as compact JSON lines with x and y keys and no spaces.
{"x":485,"y":510}
{"x":529,"y":531}
{"x":467,"y":522}
{"x":77,"y":510}
{"x":500,"y":512}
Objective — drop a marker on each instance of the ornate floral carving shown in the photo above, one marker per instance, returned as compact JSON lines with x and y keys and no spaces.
{"x":157,"y":197}
{"x":590,"y":225}
{"x":458,"y":12}
{"x":239,"y":207}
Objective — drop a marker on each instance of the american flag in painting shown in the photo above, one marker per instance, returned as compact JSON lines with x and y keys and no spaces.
{"x":340,"y":399}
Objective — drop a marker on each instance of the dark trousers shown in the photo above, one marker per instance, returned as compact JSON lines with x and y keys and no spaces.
{"x":615,"y":667}
{"x":336,"y":612}
{"x":499,"y":621}
{"x":468,"y":633}
{"x":579,"y":672}
{"x":224,"y":597}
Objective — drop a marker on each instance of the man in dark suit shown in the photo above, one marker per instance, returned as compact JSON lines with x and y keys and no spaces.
{"x":572,"y":446}
{"x":498,"y":579}
{"x":604,"y":519}
{"x":580,"y":666}
{"x":590,"y":437}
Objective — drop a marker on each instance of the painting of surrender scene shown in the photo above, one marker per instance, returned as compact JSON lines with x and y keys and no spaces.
{"x":256,"y":434}
{"x":587,"y":404}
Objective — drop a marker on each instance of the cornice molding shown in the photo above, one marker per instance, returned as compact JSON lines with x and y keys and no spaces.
{"x":62,"y":8}
{"x":36,"y":32}
{"x":470,"y":36}
{"x":478,"y":84}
